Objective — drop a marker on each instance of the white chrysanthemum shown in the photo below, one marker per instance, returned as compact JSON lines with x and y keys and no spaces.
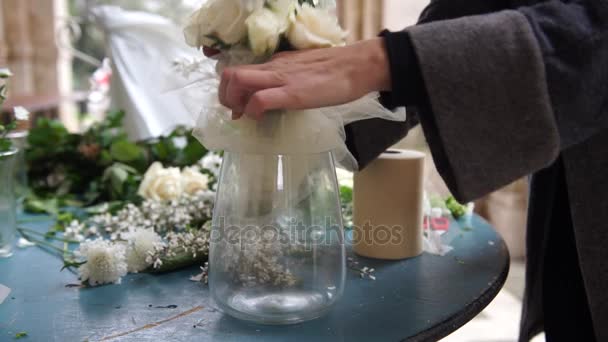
{"x":142,"y":242}
{"x":105,"y":262}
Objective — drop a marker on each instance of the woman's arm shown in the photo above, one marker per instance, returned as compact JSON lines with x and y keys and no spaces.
{"x":506,"y":91}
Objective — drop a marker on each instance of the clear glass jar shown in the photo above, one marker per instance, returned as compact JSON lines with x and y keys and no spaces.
{"x":19,"y":140}
{"x":8,"y":210}
{"x":277,"y":249}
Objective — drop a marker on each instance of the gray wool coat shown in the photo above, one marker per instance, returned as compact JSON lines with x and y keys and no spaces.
{"x":516,"y":88}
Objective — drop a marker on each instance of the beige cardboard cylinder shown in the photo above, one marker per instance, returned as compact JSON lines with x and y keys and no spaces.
{"x":388,"y":213}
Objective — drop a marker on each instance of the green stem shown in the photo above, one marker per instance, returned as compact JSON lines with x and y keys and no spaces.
{"x":35,"y":219}
{"x":46,"y":244}
{"x":48,"y":237}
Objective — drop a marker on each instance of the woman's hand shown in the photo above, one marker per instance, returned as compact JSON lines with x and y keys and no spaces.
{"x":306,"y":79}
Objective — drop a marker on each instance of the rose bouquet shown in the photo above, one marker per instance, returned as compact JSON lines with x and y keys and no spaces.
{"x":252,"y":32}
{"x":264,"y":26}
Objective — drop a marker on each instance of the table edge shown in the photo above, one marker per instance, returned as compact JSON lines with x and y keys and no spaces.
{"x":466,"y":314}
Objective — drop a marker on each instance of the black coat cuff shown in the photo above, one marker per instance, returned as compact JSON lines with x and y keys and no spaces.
{"x":406,"y":78}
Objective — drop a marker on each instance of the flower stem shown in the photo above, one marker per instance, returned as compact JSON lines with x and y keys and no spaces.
{"x":24,"y":232}
{"x":35,"y":219}
{"x":30,"y":231}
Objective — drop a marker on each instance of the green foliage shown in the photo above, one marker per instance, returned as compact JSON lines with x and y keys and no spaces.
{"x":346,"y":194}
{"x":20,"y":335}
{"x":100,"y":165}
{"x":458,"y":210}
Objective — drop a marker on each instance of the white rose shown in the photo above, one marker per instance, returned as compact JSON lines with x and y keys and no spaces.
{"x":264,"y":32}
{"x":313,"y":28}
{"x":222,"y":20}
{"x":161,"y":184}
{"x":193,"y":181}
{"x":266,"y":25}
{"x":149,"y":176}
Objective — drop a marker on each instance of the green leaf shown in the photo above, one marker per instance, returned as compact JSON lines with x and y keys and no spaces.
{"x":65,"y":217}
{"x":20,"y":335}
{"x":110,"y":207}
{"x":105,"y":158}
{"x":346,"y":194}
{"x":125,"y":151}
{"x":458,"y":210}
{"x":42,"y":206}
{"x":115,"y":119}
{"x":48,"y":131}
{"x":178,"y":262}
{"x":192,"y":153}
{"x":5,"y":144}
{"x":72,"y":264}
{"x":11,"y":126}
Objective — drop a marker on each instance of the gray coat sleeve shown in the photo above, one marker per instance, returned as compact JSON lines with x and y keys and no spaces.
{"x":490,"y":119}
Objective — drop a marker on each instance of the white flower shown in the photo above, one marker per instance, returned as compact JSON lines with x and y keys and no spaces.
{"x":21,"y":114}
{"x":161,"y":184}
{"x":315,"y":28}
{"x":264,"y":29}
{"x":218,"y":21}
{"x":212,"y":162}
{"x":74,"y":231}
{"x":266,"y":25}
{"x":5,"y":73}
{"x":105,"y":262}
{"x":142,"y":242}
{"x":193,"y":181}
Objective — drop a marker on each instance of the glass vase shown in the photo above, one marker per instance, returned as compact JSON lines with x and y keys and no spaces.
{"x":8,"y":210}
{"x":19,"y":140}
{"x":277,"y":245}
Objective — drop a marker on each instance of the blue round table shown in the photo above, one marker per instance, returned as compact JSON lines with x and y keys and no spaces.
{"x":421,"y":299}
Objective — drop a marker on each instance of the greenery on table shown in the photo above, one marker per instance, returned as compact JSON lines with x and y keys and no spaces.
{"x":101,"y":165}
{"x":458,"y":210}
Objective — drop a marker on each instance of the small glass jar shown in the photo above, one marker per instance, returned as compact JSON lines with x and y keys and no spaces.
{"x":277,"y":246}
{"x":8,"y":210}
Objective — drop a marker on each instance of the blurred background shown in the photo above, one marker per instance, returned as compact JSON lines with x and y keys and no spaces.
{"x":61,"y":58}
